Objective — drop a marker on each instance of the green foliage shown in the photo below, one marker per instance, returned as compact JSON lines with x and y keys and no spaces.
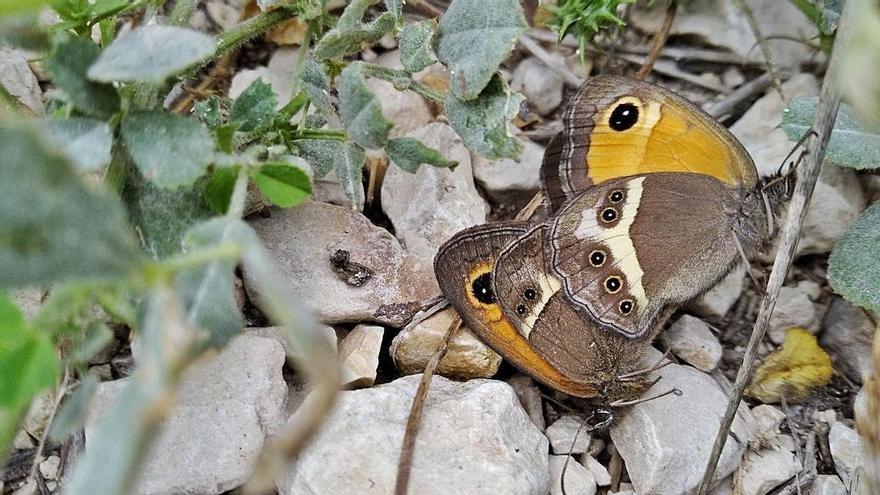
{"x":162,"y":52}
{"x":169,"y":150}
{"x":584,"y":18}
{"x":409,"y":153}
{"x":474,"y":38}
{"x":351,"y":32}
{"x":415,"y":45}
{"x":283,"y":184}
{"x":316,"y":84}
{"x":85,"y":142}
{"x":361,"y":110}
{"x":68,"y":65}
{"x":482,"y":123}
{"x":254,"y":107}
{"x":825,"y":14}
{"x":853,"y":269}
{"x":852,"y":144}
{"x":858,"y":72}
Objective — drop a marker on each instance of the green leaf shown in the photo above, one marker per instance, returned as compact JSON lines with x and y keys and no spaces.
{"x":28,"y":365}
{"x":409,"y":153}
{"x":255,"y":106}
{"x":152,"y":54}
{"x":361,"y":110}
{"x":283,"y":184}
{"x":8,"y":7}
{"x":218,"y":192}
{"x":53,"y":227}
{"x":208,"y":292}
{"x":351,"y":33}
{"x":85,"y":142}
{"x":316,"y":84}
{"x":415,"y":45}
{"x":349,"y":171}
{"x":482,"y":123}
{"x":394,"y":7}
{"x":853,"y":269}
{"x":168,"y":149}
{"x":73,"y":413}
{"x":209,"y":111}
{"x":322,"y":154}
{"x":475,"y":36}
{"x":68,"y":65}
{"x":852,"y":144}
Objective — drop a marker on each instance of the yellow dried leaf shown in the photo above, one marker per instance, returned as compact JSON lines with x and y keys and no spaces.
{"x":793,"y":370}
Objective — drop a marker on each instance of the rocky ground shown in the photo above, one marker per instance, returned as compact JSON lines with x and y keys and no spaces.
{"x":486,"y":428}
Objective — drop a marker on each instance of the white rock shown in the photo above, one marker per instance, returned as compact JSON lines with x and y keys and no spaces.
{"x":428,"y":207}
{"x":303,"y":239}
{"x":839,"y":196}
{"x":719,"y":299}
{"x":505,"y":177}
{"x":860,"y":406}
{"x":359,"y":351}
{"x":29,"y":300}
{"x":467,"y":356}
{"x":847,"y":334}
{"x":541,"y":86}
{"x":226,"y":16}
{"x":529,"y":397}
{"x":793,"y":309}
{"x":765,"y":470}
{"x":19,"y":80}
{"x":693,"y":341}
{"x":474,"y":439}
{"x":578,"y":480}
{"x":600,"y":472}
{"x":766,"y":421}
{"x":405,"y":109}
{"x":277,"y":334}
{"x":562,"y":433}
{"x":49,"y":467}
{"x":666,"y":442}
{"x":227,"y":404}
{"x":828,"y":484}
{"x":722,"y":23}
{"x":846,"y":450}
{"x":732,"y":77}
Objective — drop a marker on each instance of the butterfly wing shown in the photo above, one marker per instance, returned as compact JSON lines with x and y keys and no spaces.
{"x":531,"y":298}
{"x":618,"y":127}
{"x":628,"y":248}
{"x":464,"y":269}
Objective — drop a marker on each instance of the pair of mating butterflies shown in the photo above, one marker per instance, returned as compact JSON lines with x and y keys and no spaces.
{"x":651,"y":202}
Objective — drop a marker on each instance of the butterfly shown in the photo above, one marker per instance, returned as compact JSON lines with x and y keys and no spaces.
{"x":651,"y":203}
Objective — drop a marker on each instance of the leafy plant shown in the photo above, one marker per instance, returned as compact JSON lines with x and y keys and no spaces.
{"x":583,"y":19}
{"x":155,"y":245}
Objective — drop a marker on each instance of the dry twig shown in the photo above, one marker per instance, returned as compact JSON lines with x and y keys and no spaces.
{"x":554,"y":64}
{"x":826,"y":113}
{"x":659,"y":41}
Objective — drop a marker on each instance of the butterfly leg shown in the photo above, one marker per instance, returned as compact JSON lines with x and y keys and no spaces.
{"x":661,"y":363}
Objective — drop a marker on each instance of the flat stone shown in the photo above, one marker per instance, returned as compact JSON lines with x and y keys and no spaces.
{"x":719,"y":299}
{"x":279,"y":73}
{"x":765,"y":470}
{"x":828,"y":484}
{"x":359,"y":351}
{"x":49,"y":468}
{"x":529,"y":397}
{"x":510,"y":177}
{"x":766,"y":421}
{"x":474,"y":438}
{"x":848,"y":455}
{"x":838,"y":195}
{"x":666,"y":442}
{"x":692,"y":340}
{"x":428,"y":207}
{"x":562,"y":436}
{"x":860,"y":406}
{"x":541,"y":86}
{"x":578,"y":480}
{"x":19,"y":80}
{"x":600,"y":472}
{"x":227,"y":404}
{"x":303,"y":239}
{"x":847,"y":334}
{"x":224,"y":15}
{"x":467,"y":356}
{"x":405,"y":109}
{"x":793,"y":309}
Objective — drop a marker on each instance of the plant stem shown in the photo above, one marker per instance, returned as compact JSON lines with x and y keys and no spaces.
{"x":239,"y":195}
{"x":403,"y":80}
{"x":182,"y":11}
{"x":332,"y":134}
{"x":252,"y":28}
{"x":808,"y":173}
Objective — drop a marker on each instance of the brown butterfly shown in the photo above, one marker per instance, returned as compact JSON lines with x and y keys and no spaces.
{"x":652,"y":202}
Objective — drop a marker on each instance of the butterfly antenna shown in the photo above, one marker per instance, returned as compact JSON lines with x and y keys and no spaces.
{"x":646,"y":399}
{"x":798,"y":145}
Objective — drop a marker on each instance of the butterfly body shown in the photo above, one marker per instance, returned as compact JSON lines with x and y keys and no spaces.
{"x":651,"y":203}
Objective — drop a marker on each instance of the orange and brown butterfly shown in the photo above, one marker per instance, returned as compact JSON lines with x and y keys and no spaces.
{"x":649,"y":199}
